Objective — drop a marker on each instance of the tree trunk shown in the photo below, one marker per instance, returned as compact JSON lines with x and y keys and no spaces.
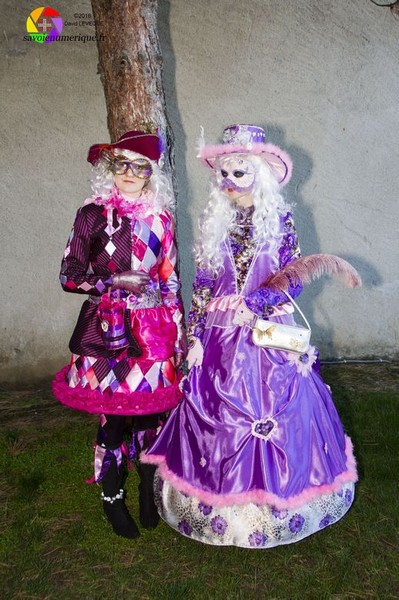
{"x":131,"y":65}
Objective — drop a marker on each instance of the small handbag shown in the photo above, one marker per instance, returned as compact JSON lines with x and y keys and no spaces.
{"x":111,"y":312}
{"x":292,"y":338}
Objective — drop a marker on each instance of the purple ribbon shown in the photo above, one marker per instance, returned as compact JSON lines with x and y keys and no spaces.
{"x":103,"y":458}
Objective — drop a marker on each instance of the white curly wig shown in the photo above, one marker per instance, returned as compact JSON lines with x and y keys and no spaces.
{"x":218,"y":216}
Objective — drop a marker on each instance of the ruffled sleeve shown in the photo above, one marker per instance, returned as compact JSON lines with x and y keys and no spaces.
{"x":202,"y":293}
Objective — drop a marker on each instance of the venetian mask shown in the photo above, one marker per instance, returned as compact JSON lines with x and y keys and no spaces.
{"x":236,"y":173}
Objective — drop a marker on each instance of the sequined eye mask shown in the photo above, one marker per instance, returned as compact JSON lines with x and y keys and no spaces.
{"x":236,"y":174}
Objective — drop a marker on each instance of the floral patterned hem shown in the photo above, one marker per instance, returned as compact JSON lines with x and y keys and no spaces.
{"x":252,"y":526}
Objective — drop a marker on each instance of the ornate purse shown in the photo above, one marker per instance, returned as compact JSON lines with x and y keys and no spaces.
{"x":111,"y":313}
{"x":292,"y":338}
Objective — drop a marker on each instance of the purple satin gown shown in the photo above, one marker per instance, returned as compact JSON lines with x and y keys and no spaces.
{"x":255,"y":455}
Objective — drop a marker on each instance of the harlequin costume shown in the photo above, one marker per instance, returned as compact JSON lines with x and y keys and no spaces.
{"x":138,"y":377}
{"x":255,"y":455}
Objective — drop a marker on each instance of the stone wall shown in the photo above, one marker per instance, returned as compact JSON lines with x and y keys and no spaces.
{"x":320,"y":76}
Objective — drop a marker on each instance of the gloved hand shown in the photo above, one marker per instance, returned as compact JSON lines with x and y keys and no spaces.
{"x":132,"y":281}
{"x":243,"y":315}
{"x":195,"y":355}
{"x":179,"y":358}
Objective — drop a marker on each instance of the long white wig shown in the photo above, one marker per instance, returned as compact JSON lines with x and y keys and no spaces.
{"x":218,"y":216}
{"x":157,"y":191}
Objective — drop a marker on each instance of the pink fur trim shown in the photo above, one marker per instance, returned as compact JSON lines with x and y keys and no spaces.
{"x":278,"y":159}
{"x":256,"y":496}
{"x":94,"y":402}
{"x":140,"y":208}
{"x":303,"y":270}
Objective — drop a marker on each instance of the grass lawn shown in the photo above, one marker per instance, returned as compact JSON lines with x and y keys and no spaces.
{"x":55,"y":542}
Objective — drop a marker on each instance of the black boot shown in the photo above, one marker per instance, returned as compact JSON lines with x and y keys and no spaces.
{"x":114,"y":505}
{"x":149,"y":516}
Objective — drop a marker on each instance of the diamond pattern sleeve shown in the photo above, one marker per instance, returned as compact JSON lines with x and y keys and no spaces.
{"x":76,"y":274}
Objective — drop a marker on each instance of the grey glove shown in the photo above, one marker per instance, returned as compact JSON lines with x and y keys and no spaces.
{"x":132,"y":281}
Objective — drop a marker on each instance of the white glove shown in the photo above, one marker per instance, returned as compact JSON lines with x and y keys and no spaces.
{"x":243,"y":315}
{"x":195,"y":355}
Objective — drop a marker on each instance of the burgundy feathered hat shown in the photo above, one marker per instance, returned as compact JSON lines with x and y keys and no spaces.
{"x":147,"y":144}
{"x":249,"y":139}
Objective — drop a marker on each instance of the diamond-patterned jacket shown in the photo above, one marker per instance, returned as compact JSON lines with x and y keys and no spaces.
{"x":102,"y":243}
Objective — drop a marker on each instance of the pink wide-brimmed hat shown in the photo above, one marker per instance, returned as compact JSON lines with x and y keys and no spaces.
{"x":249,"y":139}
{"x":147,"y":144}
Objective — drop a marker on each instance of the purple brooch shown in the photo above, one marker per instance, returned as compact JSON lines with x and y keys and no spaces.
{"x":264,"y":429}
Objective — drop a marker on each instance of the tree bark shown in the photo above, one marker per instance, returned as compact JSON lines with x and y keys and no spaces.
{"x":131,"y":65}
